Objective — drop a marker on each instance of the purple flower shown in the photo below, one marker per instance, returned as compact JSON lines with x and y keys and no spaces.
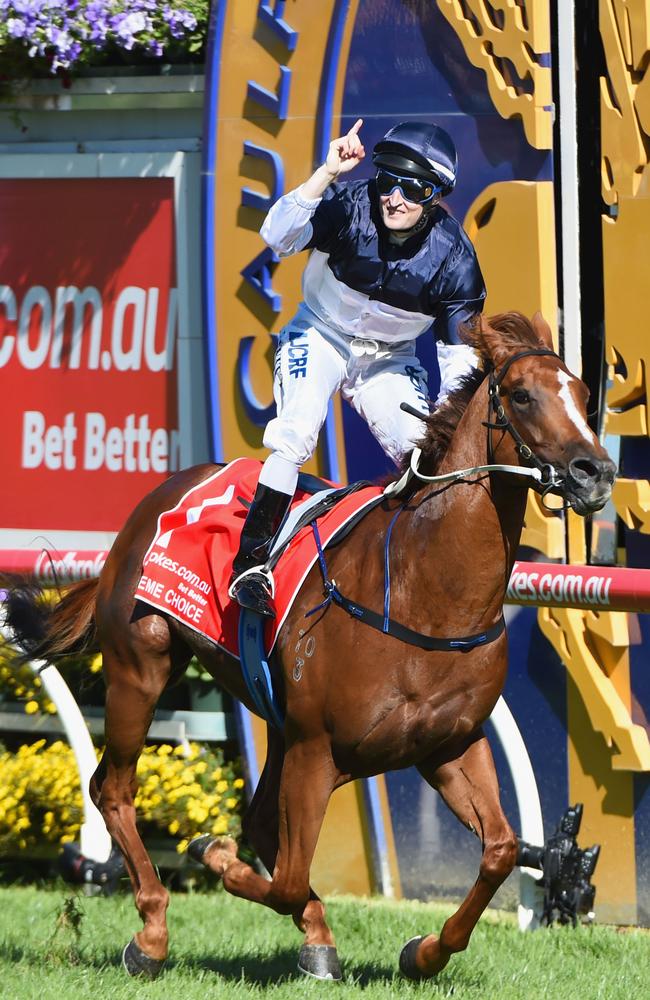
{"x":179,"y":20}
{"x":16,"y":28}
{"x":65,"y":31}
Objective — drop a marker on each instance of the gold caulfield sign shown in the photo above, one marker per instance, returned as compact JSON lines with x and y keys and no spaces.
{"x":274,"y":90}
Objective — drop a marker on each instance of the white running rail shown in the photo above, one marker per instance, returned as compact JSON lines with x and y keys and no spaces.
{"x":94,"y":840}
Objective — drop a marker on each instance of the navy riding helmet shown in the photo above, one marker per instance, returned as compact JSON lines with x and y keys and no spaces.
{"x":419,"y":149}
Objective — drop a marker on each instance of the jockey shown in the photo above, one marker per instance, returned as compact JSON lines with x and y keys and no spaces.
{"x":387,"y":262}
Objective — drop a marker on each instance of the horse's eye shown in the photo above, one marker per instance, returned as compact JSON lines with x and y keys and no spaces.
{"x":521,"y":396}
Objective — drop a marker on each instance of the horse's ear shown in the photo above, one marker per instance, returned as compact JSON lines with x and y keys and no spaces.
{"x":491,"y":342}
{"x":543,"y":331}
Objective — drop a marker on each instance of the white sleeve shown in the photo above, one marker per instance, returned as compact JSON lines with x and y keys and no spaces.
{"x":287,"y":228}
{"x":454,"y":361}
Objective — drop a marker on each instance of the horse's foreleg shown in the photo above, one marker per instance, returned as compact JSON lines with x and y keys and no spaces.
{"x":283,"y":823}
{"x":260,"y":821}
{"x":469,"y":786}
{"x":131,"y":696}
{"x":261,"y":827}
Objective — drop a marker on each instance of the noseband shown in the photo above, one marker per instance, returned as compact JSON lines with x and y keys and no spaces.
{"x":549,"y":478}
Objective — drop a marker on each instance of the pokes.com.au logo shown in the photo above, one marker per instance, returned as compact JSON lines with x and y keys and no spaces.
{"x":527,"y":587}
{"x":74,"y":328}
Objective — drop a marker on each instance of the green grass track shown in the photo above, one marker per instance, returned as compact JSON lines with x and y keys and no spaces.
{"x":227,"y":948}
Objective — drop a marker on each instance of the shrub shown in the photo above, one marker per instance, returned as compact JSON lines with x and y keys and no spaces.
{"x":18,"y":680}
{"x":181,"y":794}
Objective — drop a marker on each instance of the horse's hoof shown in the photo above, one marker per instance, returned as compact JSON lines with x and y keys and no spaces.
{"x":223,"y":851}
{"x":197,"y":847}
{"x":319,"y":961}
{"x":407,"y":964}
{"x":137,"y":963}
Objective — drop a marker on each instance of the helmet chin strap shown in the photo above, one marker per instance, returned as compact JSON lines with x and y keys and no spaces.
{"x":401,"y":235}
{"x":420,"y":224}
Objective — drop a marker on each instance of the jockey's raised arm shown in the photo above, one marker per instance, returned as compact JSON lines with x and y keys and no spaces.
{"x":287,"y":227}
{"x":388,"y":263}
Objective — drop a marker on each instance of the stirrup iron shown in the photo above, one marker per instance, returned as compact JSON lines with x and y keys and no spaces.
{"x":257,"y":571}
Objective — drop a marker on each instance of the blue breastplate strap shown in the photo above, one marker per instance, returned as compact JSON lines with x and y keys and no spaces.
{"x":383,"y":623}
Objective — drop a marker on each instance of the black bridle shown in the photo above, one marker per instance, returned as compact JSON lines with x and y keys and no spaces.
{"x":550,"y":480}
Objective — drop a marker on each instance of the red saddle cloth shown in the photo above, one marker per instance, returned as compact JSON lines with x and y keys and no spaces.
{"x":188,"y":565}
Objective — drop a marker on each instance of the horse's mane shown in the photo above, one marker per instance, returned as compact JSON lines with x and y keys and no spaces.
{"x":501,"y":336}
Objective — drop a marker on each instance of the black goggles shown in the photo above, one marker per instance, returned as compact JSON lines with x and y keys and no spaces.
{"x":412,"y":188}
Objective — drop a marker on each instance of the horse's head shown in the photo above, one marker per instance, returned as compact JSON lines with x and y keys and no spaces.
{"x":539,"y":411}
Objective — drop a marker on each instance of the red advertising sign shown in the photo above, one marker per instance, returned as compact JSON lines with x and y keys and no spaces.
{"x":88,"y":317}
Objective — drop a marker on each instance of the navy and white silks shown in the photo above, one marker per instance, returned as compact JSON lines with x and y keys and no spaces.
{"x":367,"y":297}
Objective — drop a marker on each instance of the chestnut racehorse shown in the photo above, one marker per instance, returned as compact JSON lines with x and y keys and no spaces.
{"x":369,"y":702}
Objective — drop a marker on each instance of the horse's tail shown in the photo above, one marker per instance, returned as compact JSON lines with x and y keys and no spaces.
{"x":45,"y":631}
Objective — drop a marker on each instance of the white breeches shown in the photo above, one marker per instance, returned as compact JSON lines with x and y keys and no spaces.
{"x":312,"y":364}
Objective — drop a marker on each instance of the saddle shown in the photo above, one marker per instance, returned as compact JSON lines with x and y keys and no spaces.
{"x":187,"y":567}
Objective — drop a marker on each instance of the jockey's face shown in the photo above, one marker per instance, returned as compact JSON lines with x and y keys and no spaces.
{"x":398,"y":213}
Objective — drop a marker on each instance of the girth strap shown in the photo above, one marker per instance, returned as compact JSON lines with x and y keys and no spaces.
{"x":390,"y":627}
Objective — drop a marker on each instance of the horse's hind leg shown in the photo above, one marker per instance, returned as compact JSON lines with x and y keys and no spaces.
{"x":469,"y":786}
{"x":136,"y":668}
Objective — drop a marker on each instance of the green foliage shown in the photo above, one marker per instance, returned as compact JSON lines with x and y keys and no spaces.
{"x":64,"y":946}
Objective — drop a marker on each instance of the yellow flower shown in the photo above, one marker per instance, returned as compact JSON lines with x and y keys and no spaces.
{"x":238,"y":783}
{"x":42,"y":781}
{"x":31,"y":707}
{"x":96,"y":664}
{"x":222,"y":786}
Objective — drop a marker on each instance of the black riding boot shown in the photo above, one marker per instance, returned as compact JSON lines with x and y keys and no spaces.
{"x":263,"y":521}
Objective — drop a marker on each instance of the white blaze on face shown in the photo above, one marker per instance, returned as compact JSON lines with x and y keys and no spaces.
{"x":572,"y":410}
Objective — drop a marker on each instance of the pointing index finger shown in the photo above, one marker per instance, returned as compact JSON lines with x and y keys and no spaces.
{"x":355,"y":128}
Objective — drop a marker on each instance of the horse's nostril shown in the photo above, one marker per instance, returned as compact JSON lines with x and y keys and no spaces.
{"x":582,"y":470}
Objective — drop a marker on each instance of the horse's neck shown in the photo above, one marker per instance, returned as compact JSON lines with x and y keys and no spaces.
{"x":478,"y":524}
{"x":504,"y":493}
{"x":469,"y":444}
